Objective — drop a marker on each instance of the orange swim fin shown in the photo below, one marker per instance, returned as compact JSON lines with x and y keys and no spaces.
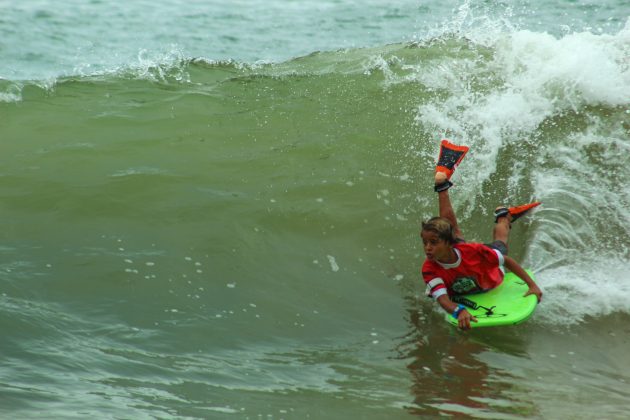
{"x":515,"y":212}
{"x":450,"y":156}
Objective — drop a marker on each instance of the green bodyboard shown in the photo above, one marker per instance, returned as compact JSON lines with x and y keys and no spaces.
{"x":508,"y":305}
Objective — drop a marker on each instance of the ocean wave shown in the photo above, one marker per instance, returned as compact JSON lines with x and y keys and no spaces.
{"x":309,"y":138}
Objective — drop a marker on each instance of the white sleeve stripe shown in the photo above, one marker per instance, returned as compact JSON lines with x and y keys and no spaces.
{"x":501,"y":258}
{"x":436,"y":281}
{"x":439,"y":292}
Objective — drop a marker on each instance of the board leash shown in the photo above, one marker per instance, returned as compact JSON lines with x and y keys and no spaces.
{"x":473,"y":305}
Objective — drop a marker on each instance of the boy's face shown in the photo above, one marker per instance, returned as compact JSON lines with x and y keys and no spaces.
{"x":436,"y":249}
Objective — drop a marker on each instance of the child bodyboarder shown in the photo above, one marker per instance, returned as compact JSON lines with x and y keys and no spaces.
{"x":454,"y":266}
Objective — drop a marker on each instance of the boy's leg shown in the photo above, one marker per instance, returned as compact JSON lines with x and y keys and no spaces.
{"x":445,"y":207}
{"x":501,"y":231}
{"x":505,"y":216}
{"x":450,"y":156}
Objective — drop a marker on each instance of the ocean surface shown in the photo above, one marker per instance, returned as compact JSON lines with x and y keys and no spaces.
{"x":211,"y":209}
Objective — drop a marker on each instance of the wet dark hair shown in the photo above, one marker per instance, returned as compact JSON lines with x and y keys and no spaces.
{"x":441,"y":227}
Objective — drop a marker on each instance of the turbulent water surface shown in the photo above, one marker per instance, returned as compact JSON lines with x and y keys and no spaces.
{"x":211,"y":210}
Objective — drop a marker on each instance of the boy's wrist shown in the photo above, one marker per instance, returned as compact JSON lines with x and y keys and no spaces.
{"x":457,"y":311}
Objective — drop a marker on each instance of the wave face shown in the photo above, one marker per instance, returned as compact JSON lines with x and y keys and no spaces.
{"x":192,"y":228}
{"x":196,"y":143}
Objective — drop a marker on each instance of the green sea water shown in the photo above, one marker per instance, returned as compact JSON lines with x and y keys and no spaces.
{"x":197,"y":238}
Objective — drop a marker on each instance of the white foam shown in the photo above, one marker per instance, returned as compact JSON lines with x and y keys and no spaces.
{"x":537,"y":76}
{"x":582,"y":248}
{"x":530,"y":78}
{"x":584,"y":289}
{"x":333,"y":263}
{"x":10,"y":97}
{"x":137,"y":171}
{"x":577,"y":68}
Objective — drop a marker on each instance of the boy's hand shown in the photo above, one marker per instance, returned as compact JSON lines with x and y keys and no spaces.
{"x":464,"y":318}
{"x":534,"y":290}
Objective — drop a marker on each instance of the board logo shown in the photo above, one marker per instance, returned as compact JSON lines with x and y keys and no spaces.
{"x":492,"y":315}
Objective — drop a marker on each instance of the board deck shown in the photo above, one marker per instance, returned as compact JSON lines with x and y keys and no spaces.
{"x":507,"y":303}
